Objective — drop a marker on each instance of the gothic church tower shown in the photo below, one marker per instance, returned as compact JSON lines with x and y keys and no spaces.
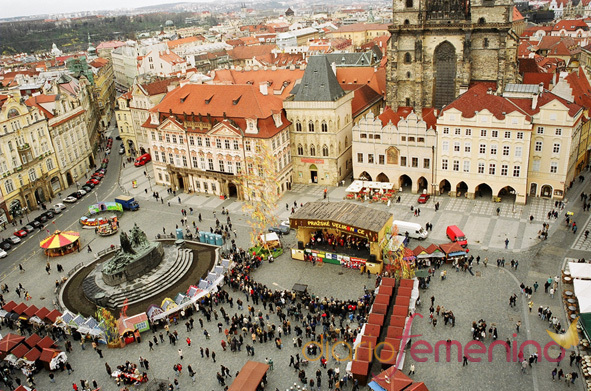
{"x":439,"y":47}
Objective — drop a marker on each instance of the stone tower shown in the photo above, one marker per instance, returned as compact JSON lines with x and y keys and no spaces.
{"x":439,"y":47}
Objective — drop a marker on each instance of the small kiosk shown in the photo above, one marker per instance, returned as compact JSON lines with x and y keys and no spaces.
{"x":340,"y":233}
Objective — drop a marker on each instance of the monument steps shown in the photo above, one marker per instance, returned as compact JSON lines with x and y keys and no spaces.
{"x":150,"y":285}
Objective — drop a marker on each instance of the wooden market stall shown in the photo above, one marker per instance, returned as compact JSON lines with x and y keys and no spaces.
{"x":250,"y":377}
{"x":340,"y":233}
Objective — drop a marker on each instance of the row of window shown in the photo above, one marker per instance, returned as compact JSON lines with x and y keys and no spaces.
{"x":506,"y":150}
{"x":312,"y":151}
{"x":323,"y":126}
{"x":414,"y":161}
{"x":219,"y":143}
{"x":492,"y":167}
{"x":222,"y":166}
{"x":493,"y":133}
{"x":9,"y":184}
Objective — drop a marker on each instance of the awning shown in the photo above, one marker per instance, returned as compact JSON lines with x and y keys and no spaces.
{"x":585,"y":321}
{"x":580,"y":270}
{"x":249,"y":377}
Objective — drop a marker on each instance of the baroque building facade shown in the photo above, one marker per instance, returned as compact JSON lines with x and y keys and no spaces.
{"x":438,"y":49}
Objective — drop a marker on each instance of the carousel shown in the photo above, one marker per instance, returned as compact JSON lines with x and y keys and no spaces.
{"x":61,"y":243}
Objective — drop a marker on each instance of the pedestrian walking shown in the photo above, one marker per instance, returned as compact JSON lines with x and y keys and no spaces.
{"x":506,"y":243}
{"x":181,"y":353}
{"x":464,"y":361}
{"x":89,"y":249}
{"x":412,"y":369}
{"x":213,"y":355}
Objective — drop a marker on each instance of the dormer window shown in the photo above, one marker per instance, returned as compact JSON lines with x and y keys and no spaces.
{"x":154,"y":119}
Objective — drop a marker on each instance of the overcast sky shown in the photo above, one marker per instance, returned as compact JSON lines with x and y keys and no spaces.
{"x":37,"y":7}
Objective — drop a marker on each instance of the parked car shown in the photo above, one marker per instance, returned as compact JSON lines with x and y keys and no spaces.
{"x":82,"y":192}
{"x":6,"y":244}
{"x":90,"y":184}
{"x":36,"y":224}
{"x":49,"y":214}
{"x":423,"y":198}
{"x":93,"y":181}
{"x":98,"y":178}
{"x":21,"y":233}
{"x":29,"y":228}
{"x":14,"y":239}
{"x":42,"y":218}
{"x":285,"y":223}
{"x":121,"y":150}
{"x":86,"y":188}
{"x":70,"y":199}
{"x":59,"y":207}
{"x":3,"y":253}
{"x":118,"y":138}
{"x":282,"y":229}
{"x":102,"y":170}
{"x":98,"y":174}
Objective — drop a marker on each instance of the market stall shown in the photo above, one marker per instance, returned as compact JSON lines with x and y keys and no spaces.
{"x":340,"y":233}
{"x":250,"y":377}
{"x":61,"y":243}
{"x":370,"y":191}
{"x":108,"y":228}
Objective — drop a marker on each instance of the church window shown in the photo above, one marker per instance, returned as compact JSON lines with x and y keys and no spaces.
{"x":406,"y":22}
{"x":407,"y":102}
{"x":300,"y":150}
{"x":324,"y":150}
{"x":481,"y":21}
{"x":312,"y":150}
{"x":324,"y":127}
{"x":408,"y":75}
{"x":485,"y":43}
{"x":310,"y":126}
{"x":407,"y":58}
{"x":298,"y":126}
{"x":409,"y":4}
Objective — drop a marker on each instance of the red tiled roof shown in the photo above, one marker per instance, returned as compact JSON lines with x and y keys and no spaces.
{"x":99,"y":62}
{"x":561,"y":46}
{"x":364,"y":97}
{"x":275,"y":78}
{"x":477,"y":99}
{"x":248,"y":52}
{"x":171,"y":58}
{"x":182,"y":41}
{"x":537,"y":78}
{"x":158,"y":87}
{"x":376,"y":79}
{"x":570,"y":25}
{"x":543,"y":99}
{"x":528,"y":65}
{"x":110,"y":45}
{"x":64,"y":120}
{"x":240,"y":101}
{"x":581,"y":87}
{"x":517,"y":15}
{"x":389,"y":115}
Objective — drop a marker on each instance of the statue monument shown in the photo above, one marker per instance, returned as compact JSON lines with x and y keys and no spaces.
{"x":136,"y":257}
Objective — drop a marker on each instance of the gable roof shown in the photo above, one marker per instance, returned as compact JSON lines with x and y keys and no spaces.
{"x":278,"y":80}
{"x":181,"y":41}
{"x":517,"y":15}
{"x":357,"y":27}
{"x":571,"y":25}
{"x":243,"y":101}
{"x":375,"y":78}
{"x":477,"y":99}
{"x":581,"y":88}
{"x":248,"y":52}
{"x":363,"y":97}
{"x":537,"y":78}
{"x":319,"y":83}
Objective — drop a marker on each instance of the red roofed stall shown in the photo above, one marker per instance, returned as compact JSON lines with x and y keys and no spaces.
{"x":250,"y":376}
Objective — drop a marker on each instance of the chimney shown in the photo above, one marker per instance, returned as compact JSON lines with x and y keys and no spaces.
{"x":263,"y":88}
{"x":541,"y":88}
{"x":489,"y":91}
{"x":534,"y":101}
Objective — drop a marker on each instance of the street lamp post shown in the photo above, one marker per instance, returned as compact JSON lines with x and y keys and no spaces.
{"x":149,"y":182}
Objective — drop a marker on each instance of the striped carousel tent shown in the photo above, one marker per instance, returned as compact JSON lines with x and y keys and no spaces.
{"x":60,"y":243}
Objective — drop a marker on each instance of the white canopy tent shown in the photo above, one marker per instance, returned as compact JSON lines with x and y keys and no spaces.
{"x":583,"y":294}
{"x":580,"y":270}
